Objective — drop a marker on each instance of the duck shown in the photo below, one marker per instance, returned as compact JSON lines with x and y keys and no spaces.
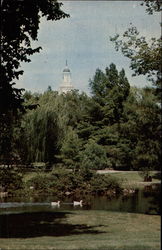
{"x":54,"y":203}
{"x":78,"y":203}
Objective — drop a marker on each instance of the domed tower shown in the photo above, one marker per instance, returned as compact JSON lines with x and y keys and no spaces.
{"x":66,"y":84}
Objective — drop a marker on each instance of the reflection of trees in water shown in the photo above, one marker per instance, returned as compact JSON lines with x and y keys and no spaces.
{"x":157,"y":176}
{"x":145,"y":200}
{"x":134,"y":202}
{"x":154,"y":193}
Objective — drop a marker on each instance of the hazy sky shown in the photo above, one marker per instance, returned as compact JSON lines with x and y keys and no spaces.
{"x":83,"y":39}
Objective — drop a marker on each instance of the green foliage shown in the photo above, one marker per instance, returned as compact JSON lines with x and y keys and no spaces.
{"x":60,"y":181}
{"x":145,"y":56}
{"x":20,"y":21}
{"x":40,"y":182}
{"x":93,"y":157}
{"x":104,"y":183}
{"x":152,"y":5}
{"x":19,"y":26}
{"x":118,"y":127}
{"x":110,"y":90}
{"x":141,"y":122}
{"x":144,"y":140}
{"x":10,"y":131}
{"x":70,"y":149}
{"x":10,"y":179}
{"x":44,"y":128}
{"x":50,"y":130}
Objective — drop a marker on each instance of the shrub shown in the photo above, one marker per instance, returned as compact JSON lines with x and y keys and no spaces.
{"x":105,"y":183}
{"x":62,"y":180}
{"x":93,"y":157}
{"x":10,"y":179}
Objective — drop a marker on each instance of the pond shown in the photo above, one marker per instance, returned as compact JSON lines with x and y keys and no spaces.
{"x":146,"y":201}
{"x":31,"y":217}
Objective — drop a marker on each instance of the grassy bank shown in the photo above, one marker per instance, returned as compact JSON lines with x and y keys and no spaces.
{"x":64,"y":182}
{"x":132,"y":179}
{"x":82,"y":229}
{"x":128,"y":178}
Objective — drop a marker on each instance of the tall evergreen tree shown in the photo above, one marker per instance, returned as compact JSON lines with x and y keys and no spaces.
{"x":109,"y":90}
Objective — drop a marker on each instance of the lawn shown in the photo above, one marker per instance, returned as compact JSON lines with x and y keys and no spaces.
{"x":81,"y":230}
{"x":132,"y":179}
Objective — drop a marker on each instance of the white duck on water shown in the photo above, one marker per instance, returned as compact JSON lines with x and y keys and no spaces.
{"x":54,"y":203}
{"x":78,"y":203}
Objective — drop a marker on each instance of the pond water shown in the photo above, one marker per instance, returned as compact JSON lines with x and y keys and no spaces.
{"x":146,"y":201}
{"x":35,"y":217}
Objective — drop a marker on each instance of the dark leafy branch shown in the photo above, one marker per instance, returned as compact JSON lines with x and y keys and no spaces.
{"x":20,"y":20}
{"x":152,"y":5}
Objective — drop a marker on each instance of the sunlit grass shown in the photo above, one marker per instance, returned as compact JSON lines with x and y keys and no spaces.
{"x":132,"y":179}
{"x":97,"y":230}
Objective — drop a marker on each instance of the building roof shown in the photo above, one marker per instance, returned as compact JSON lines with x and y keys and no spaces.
{"x":66,"y":69}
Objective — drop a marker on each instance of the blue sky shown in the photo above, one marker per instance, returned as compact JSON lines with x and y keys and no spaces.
{"x":83,"y":39}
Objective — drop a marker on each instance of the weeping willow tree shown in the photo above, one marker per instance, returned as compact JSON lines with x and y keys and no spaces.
{"x":44,"y":128}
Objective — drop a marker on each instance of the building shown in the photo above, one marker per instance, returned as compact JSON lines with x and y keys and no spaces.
{"x":66,"y":84}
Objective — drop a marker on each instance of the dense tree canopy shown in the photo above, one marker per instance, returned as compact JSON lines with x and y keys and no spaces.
{"x":20,"y":21}
{"x":143,"y":107}
{"x":117,"y":127}
{"x":110,"y":90}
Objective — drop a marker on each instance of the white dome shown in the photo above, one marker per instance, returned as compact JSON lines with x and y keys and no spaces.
{"x":66,"y":69}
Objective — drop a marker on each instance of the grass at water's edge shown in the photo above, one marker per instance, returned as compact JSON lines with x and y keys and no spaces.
{"x":129,"y":180}
{"x":84,"y":230}
{"x":132,"y":179}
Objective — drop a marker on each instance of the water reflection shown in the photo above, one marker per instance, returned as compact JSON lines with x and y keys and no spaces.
{"x":154,"y":193}
{"x":142,"y":201}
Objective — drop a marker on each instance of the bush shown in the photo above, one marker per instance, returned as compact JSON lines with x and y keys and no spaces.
{"x":62,"y":180}
{"x":105,"y":183}
{"x":41,"y":182}
{"x":93,"y":157}
{"x":10,"y":179}
{"x":59,"y":180}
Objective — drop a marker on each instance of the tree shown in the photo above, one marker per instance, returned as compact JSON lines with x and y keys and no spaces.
{"x":49,"y":88}
{"x":70,"y":150}
{"x":147,"y":150}
{"x":10,"y":179}
{"x":43,"y":128}
{"x":110,"y":90}
{"x":93,"y":157}
{"x":152,"y":5}
{"x":46,"y":129}
{"x":141,"y":127}
{"x":20,"y":21}
{"x":145,"y":56}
